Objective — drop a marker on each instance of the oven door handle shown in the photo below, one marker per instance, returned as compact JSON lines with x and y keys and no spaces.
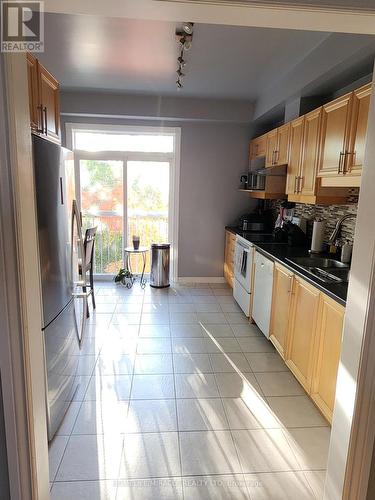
{"x":245,"y":253}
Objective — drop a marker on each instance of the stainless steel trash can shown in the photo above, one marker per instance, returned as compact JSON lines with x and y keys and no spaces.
{"x":159,"y":275}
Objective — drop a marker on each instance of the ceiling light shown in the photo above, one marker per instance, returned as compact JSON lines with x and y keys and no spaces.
{"x":188,"y":28}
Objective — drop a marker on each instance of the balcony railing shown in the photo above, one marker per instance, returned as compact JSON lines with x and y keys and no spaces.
{"x":150,"y":226}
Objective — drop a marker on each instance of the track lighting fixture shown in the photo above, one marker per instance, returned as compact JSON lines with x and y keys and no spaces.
{"x":181,"y":61}
{"x":184,"y":36}
{"x":188,"y":28}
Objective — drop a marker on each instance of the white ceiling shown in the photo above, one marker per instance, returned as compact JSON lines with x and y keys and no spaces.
{"x":89,"y":52}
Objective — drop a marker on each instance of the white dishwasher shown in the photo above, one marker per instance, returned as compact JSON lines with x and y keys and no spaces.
{"x":262,"y":297}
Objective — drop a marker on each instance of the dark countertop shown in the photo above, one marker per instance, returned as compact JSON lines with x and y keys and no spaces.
{"x":280,"y":251}
{"x":265,"y":237}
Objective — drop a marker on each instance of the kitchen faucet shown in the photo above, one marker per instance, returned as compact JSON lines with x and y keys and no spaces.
{"x":336,"y":231}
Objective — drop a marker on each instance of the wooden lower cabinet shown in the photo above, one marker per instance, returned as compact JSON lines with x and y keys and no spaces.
{"x":230,"y":241}
{"x":306,"y":329}
{"x":302,"y":327}
{"x":281,"y":303}
{"x":327,"y":354}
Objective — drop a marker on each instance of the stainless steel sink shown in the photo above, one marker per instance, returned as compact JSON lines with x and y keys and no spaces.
{"x":343,"y":274}
{"x":315,"y":261}
{"x":324,"y":269}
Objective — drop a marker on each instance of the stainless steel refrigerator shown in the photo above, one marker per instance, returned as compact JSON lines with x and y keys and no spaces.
{"x":58,"y":234}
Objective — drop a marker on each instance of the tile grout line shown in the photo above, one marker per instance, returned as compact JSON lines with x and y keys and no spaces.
{"x":177,"y":424}
{"x":129,"y":402}
{"x":229,"y":429}
{"x":75,"y":420}
{"x":209,"y":356}
{"x":196,"y":475}
{"x":195,"y":430}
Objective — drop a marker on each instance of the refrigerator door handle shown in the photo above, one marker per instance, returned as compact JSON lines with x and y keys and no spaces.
{"x":61,"y":191}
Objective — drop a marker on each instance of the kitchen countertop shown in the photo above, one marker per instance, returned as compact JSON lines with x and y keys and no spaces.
{"x":280,"y":251}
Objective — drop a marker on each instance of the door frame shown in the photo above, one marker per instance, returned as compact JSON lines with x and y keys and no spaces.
{"x":21,"y":343}
{"x":361,"y":305}
{"x":174,"y":180}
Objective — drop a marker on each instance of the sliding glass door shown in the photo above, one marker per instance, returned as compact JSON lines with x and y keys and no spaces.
{"x":147,"y":204}
{"x":124,"y":196}
{"x":102,"y":205}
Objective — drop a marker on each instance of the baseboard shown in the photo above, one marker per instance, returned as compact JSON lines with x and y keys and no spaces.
{"x":201,"y":279}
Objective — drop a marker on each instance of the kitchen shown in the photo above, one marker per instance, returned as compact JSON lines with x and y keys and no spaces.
{"x":279,"y":278}
{"x":305,"y":164}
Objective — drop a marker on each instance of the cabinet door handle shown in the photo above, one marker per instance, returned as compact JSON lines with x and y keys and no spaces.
{"x":40,"y":130}
{"x":295,"y":184}
{"x":276,"y":156}
{"x":45,"y":120}
{"x":344,"y":162}
{"x":300,"y":181}
{"x":340,"y":163}
{"x":349,"y":164}
{"x":291,"y":284}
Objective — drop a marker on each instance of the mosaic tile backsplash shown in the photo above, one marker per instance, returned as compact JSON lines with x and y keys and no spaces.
{"x":330,"y":213}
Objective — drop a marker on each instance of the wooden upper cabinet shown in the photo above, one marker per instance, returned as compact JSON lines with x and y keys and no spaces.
{"x":310,"y":153}
{"x":335,"y":135}
{"x":282,"y":153}
{"x":344,"y":130}
{"x":258,"y":147}
{"x":34,"y":99}
{"x":277,"y":146}
{"x":44,"y":100}
{"x":50,"y":100}
{"x":281,"y":302}
{"x":301,"y":332}
{"x":327,"y":353}
{"x":271,"y":148}
{"x":357,"y":141}
{"x":295,"y":155}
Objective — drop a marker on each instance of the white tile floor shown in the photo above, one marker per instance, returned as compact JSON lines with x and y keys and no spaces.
{"x":181,"y":398}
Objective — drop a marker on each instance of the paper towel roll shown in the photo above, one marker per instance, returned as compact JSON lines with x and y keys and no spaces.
{"x":318,"y":236}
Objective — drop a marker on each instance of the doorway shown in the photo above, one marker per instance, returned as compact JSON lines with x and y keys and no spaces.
{"x":127,"y":181}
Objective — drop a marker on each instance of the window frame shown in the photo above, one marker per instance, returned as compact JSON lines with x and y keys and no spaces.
{"x":172,"y":157}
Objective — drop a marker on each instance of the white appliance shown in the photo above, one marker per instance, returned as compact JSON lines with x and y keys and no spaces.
{"x":262,"y":297}
{"x":243,"y":267}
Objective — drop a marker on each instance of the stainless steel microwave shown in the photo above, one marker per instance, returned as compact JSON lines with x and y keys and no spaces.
{"x":256,"y":182}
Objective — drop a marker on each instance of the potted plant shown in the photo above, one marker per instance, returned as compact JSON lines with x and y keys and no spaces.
{"x":125,"y":277}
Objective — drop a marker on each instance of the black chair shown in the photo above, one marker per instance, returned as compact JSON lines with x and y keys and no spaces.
{"x":87,"y":266}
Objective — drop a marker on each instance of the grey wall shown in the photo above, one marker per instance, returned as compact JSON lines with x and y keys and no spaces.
{"x":213,"y":155}
{"x":212,"y":158}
